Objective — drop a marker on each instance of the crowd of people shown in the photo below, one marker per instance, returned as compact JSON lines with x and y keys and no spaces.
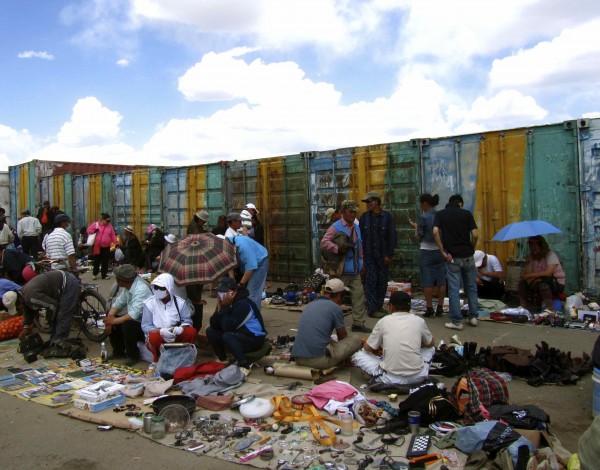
{"x":397,"y":350}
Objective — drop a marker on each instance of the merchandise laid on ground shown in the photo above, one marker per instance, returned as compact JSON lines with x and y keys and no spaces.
{"x":286,"y":416}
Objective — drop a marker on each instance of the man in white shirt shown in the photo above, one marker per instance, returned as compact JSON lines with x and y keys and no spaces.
{"x":58,"y":244}
{"x":29,"y":230}
{"x":406,"y":342}
{"x":490,"y":284}
{"x":234,"y":220}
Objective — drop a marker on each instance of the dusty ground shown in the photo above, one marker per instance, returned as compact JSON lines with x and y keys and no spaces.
{"x":34,"y":436}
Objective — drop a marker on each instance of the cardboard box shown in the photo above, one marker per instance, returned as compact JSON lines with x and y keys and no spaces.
{"x":103,"y":405}
{"x":591,"y":314}
{"x":398,"y":286}
{"x":100,"y":391}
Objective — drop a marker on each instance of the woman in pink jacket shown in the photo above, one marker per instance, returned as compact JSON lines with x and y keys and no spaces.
{"x":105,"y":235}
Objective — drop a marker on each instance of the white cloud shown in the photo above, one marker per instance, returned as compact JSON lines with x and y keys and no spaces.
{"x":15,"y":146}
{"x":123,"y":63}
{"x":567,"y":60}
{"x":90,"y":124}
{"x":35,"y":55}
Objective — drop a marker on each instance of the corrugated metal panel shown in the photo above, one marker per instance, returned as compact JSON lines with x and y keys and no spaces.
{"x":107,"y":194}
{"x":94,"y":197}
{"x":402,"y":189}
{"x":449,"y":166}
{"x":154,"y":210}
{"x":68,"y":194}
{"x":49,"y":168}
{"x":80,"y":201}
{"x":13,"y":181}
{"x":500,"y":188}
{"x":24,"y":199}
{"x":242,"y":188}
{"x":46,"y":189}
{"x":216,"y":191}
{"x":175,"y":196}
{"x":551,"y":192}
{"x":58,"y":193}
{"x":286,"y":216}
{"x":329,"y":185}
{"x":5,"y":196}
{"x":196,"y":191}
{"x":122,"y":213}
{"x":589,"y":157}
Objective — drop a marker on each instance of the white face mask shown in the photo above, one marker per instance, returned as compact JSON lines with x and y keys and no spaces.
{"x":160,"y":294}
{"x":222,"y":295}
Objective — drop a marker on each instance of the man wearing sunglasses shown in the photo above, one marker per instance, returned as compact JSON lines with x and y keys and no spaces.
{"x":126,"y":330}
{"x":166,"y":317}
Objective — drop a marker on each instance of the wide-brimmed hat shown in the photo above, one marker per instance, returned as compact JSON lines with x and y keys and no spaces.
{"x":170,"y":238}
{"x":129,"y":228}
{"x":350,"y":205}
{"x":202,"y":215}
{"x":126,"y":272}
{"x":371,"y":195}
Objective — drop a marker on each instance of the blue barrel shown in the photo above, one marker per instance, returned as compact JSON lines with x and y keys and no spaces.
{"x":596,"y":402}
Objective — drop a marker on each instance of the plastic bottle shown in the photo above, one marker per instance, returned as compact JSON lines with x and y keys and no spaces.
{"x":103,"y":353}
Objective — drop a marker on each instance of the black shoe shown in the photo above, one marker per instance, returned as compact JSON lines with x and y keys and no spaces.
{"x":429,"y":312}
{"x":439,"y":311}
{"x":361,"y":329}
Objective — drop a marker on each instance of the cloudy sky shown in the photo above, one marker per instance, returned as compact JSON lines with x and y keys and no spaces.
{"x":180,"y":82}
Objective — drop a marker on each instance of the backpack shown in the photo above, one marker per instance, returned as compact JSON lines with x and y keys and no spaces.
{"x":448,"y":363}
{"x":478,"y":388}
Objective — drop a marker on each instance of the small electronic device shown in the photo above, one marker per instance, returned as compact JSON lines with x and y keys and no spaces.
{"x":418,"y":446}
{"x":195,"y":446}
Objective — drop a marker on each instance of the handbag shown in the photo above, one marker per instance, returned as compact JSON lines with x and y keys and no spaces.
{"x":172,"y":358}
{"x":91,"y":239}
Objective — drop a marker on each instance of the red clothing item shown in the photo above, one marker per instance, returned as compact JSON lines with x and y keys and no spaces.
{"x":155,"y":340}
{"x":104,"y":237}
{"x":332,"y":390}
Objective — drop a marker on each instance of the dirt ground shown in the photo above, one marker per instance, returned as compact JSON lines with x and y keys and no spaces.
{"x":34,"y":436}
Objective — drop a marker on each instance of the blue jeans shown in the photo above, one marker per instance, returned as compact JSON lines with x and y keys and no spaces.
{"x":256,"y":284}
{"x":455,"y":270}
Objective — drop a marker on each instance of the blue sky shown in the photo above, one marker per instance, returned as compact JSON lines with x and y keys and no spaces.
{"x":180,"y":82}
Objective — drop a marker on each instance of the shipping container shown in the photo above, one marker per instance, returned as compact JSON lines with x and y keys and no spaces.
{"x":175,"y":200}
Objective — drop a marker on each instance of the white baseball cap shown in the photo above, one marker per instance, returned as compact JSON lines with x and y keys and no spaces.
{"x":9,"y":299}
{"x":252,"y":206}
{"x":478,"y":256}
{"x":335,"y":286}
{"x":170,"y":238}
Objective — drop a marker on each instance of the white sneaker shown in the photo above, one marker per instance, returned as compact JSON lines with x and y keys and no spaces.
{"x":473,"y":321}
{"x":454,"y":326}
{"x":245,"y":371}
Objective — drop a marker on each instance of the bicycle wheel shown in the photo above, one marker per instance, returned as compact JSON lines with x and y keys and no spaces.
{"x":41,"y":321}
{"x":92,"y":310}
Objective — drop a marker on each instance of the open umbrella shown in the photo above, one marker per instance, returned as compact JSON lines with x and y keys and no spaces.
{"x":198,"y":259}
{"x":525,"y":229}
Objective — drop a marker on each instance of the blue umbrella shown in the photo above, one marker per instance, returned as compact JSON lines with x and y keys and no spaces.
{"x":525,"y":229}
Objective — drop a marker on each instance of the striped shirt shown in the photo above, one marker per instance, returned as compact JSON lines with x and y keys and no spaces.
{"x":58,"y":244}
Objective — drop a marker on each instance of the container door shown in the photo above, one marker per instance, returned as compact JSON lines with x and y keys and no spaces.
{"x":122,"y":213}
{"x":68,"y":193}
{"x":216,"y":191}
{"x":329,"y":185}
{"x":79,"y":201}
{"x":46,"y":190}
{"x":242,"y":185}
{"x":551,"y":192}
{"x":286,"y":217}
{"x":589,"y":151}
{"x":175,"y":200}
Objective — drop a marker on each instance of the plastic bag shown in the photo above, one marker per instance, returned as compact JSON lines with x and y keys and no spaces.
{"x":173,"y":358}
{"x":119,"y":254}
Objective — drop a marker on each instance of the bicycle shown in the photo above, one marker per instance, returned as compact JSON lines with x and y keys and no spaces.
{"x":90,"y":313}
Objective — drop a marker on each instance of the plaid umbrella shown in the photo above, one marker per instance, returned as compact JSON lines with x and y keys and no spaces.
{"x":198,"y":259}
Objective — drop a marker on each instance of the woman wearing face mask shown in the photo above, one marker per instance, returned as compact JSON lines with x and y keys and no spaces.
{"x":166,"y":317}
{"x":237,"y":326}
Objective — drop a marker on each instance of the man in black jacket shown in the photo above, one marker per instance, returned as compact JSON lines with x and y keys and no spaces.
{"x":57,"y":292}
{"x":237,"y":325}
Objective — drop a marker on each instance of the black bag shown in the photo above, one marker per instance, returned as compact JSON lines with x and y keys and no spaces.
{"x":72,"y":348}
{"x":447,"y":363}
{"x":427,"y":399}
{"x":31,"y":346}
